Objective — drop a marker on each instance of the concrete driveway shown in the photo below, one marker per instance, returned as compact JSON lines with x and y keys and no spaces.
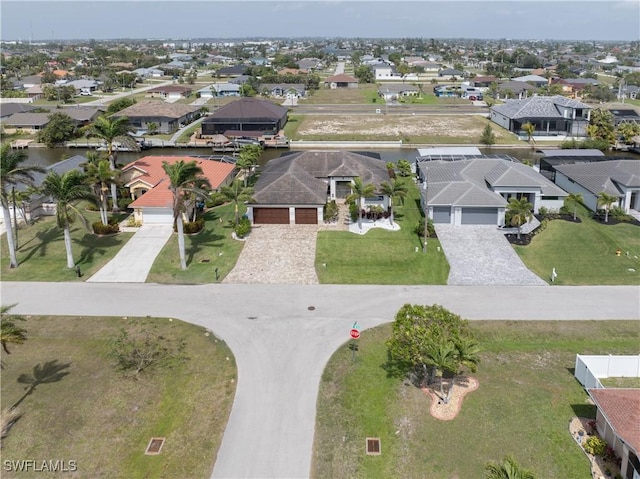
{"x":481,"y":255}
{"x":277,"y":254}
{"x":134,"y":260}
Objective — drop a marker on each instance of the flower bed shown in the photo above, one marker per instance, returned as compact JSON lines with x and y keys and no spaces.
{"x":601,"y":466}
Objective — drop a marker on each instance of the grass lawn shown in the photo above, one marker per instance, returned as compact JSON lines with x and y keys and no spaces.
{"x":382,"y":256}
{"x":585,"y":253}
{"x":42,"y":255}
{"x":527,"y":396}
{"x":95,"y":416}
{"x":324,"y":96}
{"x":214,"y":244}
{"x":621,"y":382}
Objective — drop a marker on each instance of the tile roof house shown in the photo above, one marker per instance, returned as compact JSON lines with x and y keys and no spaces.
{"x":294,"y":188}
{"x":551,"y":115}
{"x":250,"y":115}
{"x":149,"y":186}
{"x":619,"y":178}
{"x":618,"y":423}
{"x":168,"y":116}
{"x":476,"y":190}
{"x":341,"y":80}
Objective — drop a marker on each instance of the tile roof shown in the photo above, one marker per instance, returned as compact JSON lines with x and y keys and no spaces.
{"x":153,"y":175}
{"x":467,"y":182}
{"x":156,"y":109}
{"x":301,"y":178}
{"x":537,"y":107}
{"x":248,"y":108}
{"x":621,"y":407}
{"x":601,"y":176}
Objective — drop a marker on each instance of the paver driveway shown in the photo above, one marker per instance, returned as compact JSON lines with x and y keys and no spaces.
{"x":481,"y":255}
{"x":277,"y":254}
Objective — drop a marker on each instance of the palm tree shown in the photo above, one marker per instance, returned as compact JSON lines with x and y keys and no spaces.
{"x":519,"y":209}
{"x":441,"y":356}
{"x":244,"y":163}
{"x":466,"y":356}
{"x":529,"y":129}
{"x":66,"y":190}
{"x":12,"y":172}
{"x":9,"y":331}
{"x":111,"y":129}
{"x":509,"y":469}
{"x":185,"y":181}
{"x":393,"y":188}
{"x":236,"y":192}
{"x":606,"y":200}
{"x":575,"y":198}
{"x":359,"y":192}
{"x":100,"y":176}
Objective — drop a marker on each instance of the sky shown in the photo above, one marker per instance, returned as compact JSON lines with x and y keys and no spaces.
{"x":185,"y":19}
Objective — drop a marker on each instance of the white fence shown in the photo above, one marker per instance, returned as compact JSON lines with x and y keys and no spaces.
{"x":589,"y":369}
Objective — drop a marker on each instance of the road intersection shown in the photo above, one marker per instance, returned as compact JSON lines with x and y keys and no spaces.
{"x":283,"y":335}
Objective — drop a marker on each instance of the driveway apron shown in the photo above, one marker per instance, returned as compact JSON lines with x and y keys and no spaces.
{"x":277,"y":254}
{"x":481,"y":255}
{"x":133,"y":262}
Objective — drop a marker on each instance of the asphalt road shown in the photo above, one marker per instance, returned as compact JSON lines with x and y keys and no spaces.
{"x":281,"y":345}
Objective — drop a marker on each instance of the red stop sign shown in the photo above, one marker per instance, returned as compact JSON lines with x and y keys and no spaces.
{"x":355,"y":334}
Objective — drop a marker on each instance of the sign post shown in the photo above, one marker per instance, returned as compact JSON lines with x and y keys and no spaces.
{"x":355,"y":334}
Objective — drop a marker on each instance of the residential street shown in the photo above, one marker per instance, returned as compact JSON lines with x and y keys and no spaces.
{"x":281,"y":345}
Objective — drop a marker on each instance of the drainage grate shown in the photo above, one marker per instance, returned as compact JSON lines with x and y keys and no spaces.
{"x":311,"y":308}
{"x":155,"y":445}
{"x":373,"y":446}
{"x":205,"y":260}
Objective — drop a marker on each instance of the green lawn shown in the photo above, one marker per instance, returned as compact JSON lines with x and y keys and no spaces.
{"x":214,"y":244}
{"x":382,"y":256}
{"x":42,"y":255}
{"x":104,"y":421}
{"x":522,"y":408}
{"x":585,"y":253}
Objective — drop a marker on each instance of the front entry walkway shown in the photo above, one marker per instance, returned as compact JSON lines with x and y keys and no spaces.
{"x":133,"y":262}
{"x":481,"y":255}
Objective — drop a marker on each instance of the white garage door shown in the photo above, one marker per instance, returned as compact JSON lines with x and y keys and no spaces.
{"x":157,"y":217}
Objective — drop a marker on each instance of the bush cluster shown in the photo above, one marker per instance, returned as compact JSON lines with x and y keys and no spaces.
{"x":102,"y":229}
{"x":215,"y":199}
{"x":330,"y":212}
{"x":595,"y":445}
{"x":193,"y":227}
{"x":431,"y":229}
{"x":243,"y":227}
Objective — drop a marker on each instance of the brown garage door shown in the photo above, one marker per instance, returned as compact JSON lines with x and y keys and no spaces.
{"x":306,"y":216}
{"x":271,"y":216}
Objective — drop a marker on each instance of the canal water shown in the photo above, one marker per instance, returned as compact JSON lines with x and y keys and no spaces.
{"x":49,"y":156}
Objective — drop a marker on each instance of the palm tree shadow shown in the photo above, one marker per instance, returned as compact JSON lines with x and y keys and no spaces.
{"x":93,"y":245}
{"x":49,"y":372}
{"x":42,"y":238}
{"x":203,"y":239}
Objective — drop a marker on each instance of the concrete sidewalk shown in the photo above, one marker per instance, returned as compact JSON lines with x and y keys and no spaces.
{"x":133,"y":262}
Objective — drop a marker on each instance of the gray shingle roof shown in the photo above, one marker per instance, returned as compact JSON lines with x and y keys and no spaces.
{"x":469,"y":182}
{"x":28,"y":119}
{"x":301,"y":178}
{"x":537,"y":107}
{"x":248,"y":108}
{"x":604,"y":175}
{"x":158,"y":109}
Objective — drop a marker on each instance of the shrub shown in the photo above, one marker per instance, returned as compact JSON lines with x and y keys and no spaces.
{"x":353,"y":211}
{"x":419,"y":229}
{"x":330,"y":212}
{"x":243,"y":228}
{"x":192,"y":227}
{"x":109,"y":229}
{"x":543,"y":211}
{"x":595,"y":445}
{"x":619,"y":214}
{"x":564,"y":210}
{"x":124,"y":202}
{"x":215,"y":199}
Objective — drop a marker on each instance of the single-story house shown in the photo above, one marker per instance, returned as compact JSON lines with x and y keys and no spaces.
{"x":482,"y":81}
{"x":149,"y":72}
{"x":246,"y":115}
{"x":310,"y":64}
{"x":294,"y":188}
{"x":476,"y":190}
{"x":149,"y":186}
{"x":284,"y":90}
{"x":629,"y":91}
{"x":619,"y":178}
{"x":535,"y":80}
{"x":83,"y":85}
{"x":450,"y":72}
{"x":618,"y":423}
{"x":232,"y":71}
{"x":170,"y":92}
{"x":28,"y":122}
{"x":34,"y":92}
{"x":395,"y":91}
{"x":551,"y":115}
{"x":8,"y":109}
{"x":341,"y":80}
{"x":169,"y":117}
{"x":514,"y":89}
{"x":221,"y":89}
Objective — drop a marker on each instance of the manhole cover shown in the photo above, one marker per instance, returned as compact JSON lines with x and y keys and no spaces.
{"x":373,"y":446}
{"x":155,"y":445}
{"x":311,"y":308}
